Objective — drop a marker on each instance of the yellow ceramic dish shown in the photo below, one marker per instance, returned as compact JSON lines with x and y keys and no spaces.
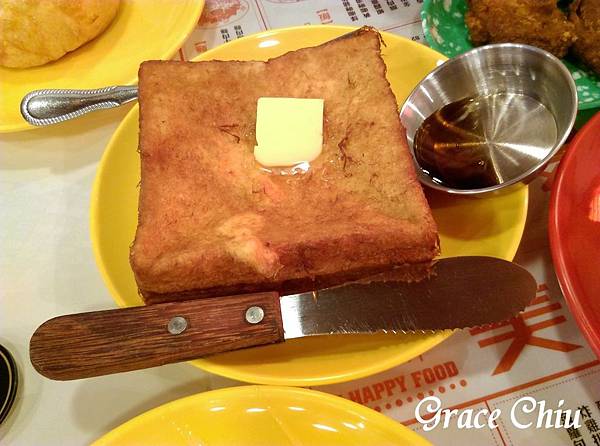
{"x":468,"y":226}
{"x":142,"y":29}
{"x":258,"y":416}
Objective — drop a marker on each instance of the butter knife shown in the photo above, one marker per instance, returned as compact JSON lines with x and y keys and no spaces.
{"x":463,"y":292}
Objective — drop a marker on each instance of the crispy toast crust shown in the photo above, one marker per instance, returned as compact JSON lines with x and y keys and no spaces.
{"x":211,"y":222}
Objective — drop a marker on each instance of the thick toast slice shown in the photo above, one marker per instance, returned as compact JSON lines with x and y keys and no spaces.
{"x":212,"y":222}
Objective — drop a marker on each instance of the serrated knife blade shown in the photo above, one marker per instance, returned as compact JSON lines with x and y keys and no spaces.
{"x":464,"y":292}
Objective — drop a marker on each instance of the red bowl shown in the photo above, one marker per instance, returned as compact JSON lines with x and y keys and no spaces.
{"x":574,"y":229}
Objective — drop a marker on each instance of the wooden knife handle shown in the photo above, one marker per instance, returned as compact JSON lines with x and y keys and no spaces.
{"x":104,"y":342}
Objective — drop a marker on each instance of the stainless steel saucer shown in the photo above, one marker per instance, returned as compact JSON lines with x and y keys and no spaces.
{"x":529,"y":100}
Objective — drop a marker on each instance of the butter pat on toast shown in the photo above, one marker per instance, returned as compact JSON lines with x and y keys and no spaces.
{"x":212,"y":222}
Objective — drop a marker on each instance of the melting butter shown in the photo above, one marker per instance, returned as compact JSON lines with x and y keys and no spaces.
{"x":289,"y":131}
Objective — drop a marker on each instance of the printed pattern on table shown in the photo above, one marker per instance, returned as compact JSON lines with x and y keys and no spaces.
{"x":222,"y":21}
{"x":382,"y":14}
{"x":225,"y":20}
{"x":522,"y":333}
{"x":574,"y":390}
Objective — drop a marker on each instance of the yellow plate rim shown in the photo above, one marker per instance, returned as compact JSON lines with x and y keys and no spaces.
{"x":257,"y":378}
{"x":167,"y":54}
{"x":344,"y":404}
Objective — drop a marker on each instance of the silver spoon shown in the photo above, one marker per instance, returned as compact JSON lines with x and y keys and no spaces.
{"x":46,"y":107}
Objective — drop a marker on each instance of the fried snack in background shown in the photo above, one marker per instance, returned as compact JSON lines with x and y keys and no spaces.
{"x":35,"y":32}
{"x":534,"y":22}
{"x":585,"y":14}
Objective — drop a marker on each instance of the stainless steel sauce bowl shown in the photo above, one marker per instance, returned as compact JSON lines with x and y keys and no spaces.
{"x":524,"y":136}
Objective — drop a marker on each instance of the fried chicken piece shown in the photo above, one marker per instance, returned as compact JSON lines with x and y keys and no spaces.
{"x":585,"y":14}
{"x":534,"y":22}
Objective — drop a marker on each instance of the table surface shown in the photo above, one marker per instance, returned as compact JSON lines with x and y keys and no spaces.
{"x":47,"y":268}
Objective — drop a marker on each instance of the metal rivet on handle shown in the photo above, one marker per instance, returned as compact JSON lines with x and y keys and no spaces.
{"x":177,"y":325}
{"x":254,"y":315}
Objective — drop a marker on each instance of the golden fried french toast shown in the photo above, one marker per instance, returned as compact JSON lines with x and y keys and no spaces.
{"x":212,"y":222}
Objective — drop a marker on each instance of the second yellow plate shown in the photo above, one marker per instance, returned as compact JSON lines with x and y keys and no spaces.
{"x":468,"y":226}
{"x":259,"y":416}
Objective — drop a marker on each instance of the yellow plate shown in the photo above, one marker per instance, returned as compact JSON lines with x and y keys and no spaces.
{"x":259,"y":415}
{"x":468,"y":226}
{"x":142,"y":29}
